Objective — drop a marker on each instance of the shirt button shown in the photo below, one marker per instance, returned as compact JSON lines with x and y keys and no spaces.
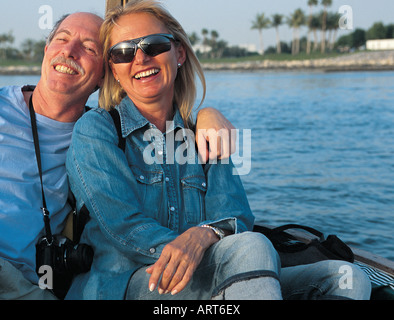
{"x":172,"y":209}
{"x":152,"y":250}
{"x":167,"y":179}
{"x":204,"y":184}
{"x":142,"y":177}
{"x":160,"y":152}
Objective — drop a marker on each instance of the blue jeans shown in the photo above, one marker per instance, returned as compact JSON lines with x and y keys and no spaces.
{"x":236,"y":258}
{"x":250,"y":255}
{"x":14,"y":286}
{"x":325,"y":280}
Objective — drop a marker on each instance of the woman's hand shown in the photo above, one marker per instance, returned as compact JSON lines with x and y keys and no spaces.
{"x":215,"y":135}
{"x":179,"y":259}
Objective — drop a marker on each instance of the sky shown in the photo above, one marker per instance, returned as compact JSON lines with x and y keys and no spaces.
{"x":232,"y":19}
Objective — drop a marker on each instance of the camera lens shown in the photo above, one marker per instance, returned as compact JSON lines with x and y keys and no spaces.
{"x":79,"y":259}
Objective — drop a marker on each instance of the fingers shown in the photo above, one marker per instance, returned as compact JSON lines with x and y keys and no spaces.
{"x":172,"y":277}
{"x":156,"y":271}
{"x":213,"y":144}
{"x":202,"y":145}
{"x":179,"y":259}
{"x":215,"y":130}
{"x":181,"y":284}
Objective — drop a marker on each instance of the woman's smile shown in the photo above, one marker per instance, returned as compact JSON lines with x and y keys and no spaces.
{"x":146,"y":73}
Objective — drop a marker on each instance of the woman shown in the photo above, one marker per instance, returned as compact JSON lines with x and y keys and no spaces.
{"x":163,"y":227}
{"x":148,"y":206}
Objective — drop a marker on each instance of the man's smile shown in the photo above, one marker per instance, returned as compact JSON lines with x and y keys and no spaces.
{"x":65,"y":69}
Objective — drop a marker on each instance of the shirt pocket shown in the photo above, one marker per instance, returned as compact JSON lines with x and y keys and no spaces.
{"x":150,"y":186}
{"x":194,"y":189}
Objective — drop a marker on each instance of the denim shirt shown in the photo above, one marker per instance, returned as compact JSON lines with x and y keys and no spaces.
{"x":142,"y":199}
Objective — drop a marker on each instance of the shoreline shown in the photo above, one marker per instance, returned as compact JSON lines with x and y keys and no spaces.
{"x":362,"y":61}
{"x":20,"y":71}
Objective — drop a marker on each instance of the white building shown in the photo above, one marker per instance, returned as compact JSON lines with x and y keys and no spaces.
{"x":384,"y":44}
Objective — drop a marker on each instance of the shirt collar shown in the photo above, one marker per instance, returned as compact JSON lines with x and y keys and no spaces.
{"x":131,"y":119}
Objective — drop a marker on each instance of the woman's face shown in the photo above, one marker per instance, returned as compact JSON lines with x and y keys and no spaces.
{"x":146,"y":79}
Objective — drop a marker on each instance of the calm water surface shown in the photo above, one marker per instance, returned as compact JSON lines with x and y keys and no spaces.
{"x":322,"y":148}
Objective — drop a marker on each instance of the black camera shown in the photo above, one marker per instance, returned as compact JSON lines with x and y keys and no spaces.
{"x":66,"y":259}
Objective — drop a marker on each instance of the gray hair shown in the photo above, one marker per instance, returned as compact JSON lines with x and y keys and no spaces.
{"x":56,"y":28}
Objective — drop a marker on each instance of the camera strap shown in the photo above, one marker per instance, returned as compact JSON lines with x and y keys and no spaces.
{"x":44,"y":209}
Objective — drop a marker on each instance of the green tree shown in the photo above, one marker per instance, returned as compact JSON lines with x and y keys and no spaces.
{"x":213,"y":42}
{"x":358,"y":38}
{"x":325,"y":4}
{"x":28,"y":49}
{"x":6,"y":38}
{"x":311,"y":4}
{"x":332,"y":27}
{"x":38,"y":50}
{"x":314,"y":25}
{"x":204,"y":33}
{"x":261,"y":22}
{"x":277,"y":21}
{"x":377,"y":31}
{"x":355,"y":39}
{"x":295,"y":21}
{"x":194,"y":38}
{"x":390,"y":31}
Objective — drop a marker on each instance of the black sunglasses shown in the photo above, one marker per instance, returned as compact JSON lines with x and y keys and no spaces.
{"x":152,"y":45}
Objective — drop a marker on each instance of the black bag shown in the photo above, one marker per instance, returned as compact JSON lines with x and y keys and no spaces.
{"x":294,"y":252}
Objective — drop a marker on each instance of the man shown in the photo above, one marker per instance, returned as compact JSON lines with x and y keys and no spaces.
{"x":72,"y":69}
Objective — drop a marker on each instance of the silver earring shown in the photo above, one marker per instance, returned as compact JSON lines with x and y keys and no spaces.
{"x":179,"y":65}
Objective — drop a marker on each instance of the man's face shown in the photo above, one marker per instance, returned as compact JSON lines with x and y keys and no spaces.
{"x":73,"y":63}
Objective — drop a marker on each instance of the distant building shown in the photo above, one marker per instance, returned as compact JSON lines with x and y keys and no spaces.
{"x":384,"y":44}
{"x":201,"y":48}
{"x":206,"y":49}
{"x":249,"y":47}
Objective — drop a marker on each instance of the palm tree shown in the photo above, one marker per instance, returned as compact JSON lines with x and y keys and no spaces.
{"x":315,"y":24}
{"x":311,"y":4}
{"x":204,"y":33}
{"x":193,"y":38}
{"x":325,"y":3}
{"x":277,"y":20}
{"x":295,"y":21}
{"x":332,"y":27}
{"x":261,"y":23}
{"x":213,"y":42}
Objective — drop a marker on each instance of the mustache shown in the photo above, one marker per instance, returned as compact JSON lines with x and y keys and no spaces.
{"x":69,"y":62}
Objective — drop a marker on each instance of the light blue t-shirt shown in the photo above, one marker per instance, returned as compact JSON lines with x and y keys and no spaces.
{"x":21,"y":219}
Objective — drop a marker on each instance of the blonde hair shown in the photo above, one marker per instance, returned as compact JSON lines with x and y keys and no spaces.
{"x":185,"y":91}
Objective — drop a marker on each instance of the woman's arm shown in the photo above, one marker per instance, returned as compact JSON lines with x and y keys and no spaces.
{"x":226,"y":207}
{"x":100,"y":178}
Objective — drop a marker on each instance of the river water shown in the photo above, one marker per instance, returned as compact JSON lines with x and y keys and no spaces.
{"x":322,"y":148}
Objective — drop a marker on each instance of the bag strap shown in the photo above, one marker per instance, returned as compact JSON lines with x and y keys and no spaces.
{"x":83,"y":214}
{"x":116,"y":118}
{"x":298,"y":226}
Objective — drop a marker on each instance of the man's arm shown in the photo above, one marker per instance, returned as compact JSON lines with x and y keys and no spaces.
{"x":215,"y":135}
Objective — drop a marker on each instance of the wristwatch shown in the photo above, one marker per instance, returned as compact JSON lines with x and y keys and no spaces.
{"x":217,"y":231}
